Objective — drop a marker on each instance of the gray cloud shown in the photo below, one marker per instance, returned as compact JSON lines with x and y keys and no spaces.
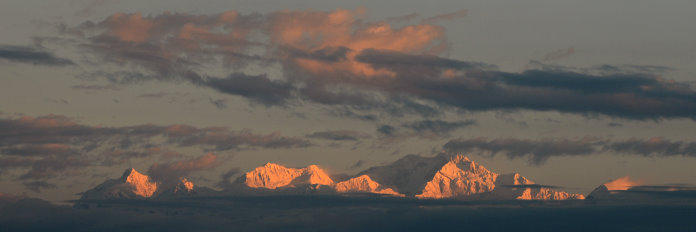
{"x":655,"y":146}
{"x":559,"y":54}
{"x":37,"y":186}
{"x":48,"y":146}
{"x":540,"y":150}
{"x":49,"y":167}
{"x":423,"y":65}
{"x":402,"y":18}
{"x":357,"y":164}
{"x":256,"y":88}
{"x":662,"y":188}
{"x":31,"y":55}
{"x":225,"y":179}
{"x":614,"y":124}
{"x":219,"y":103}
{"x":449,"y":16}
{"x":347,"y":113}
{"x":28,"y":150}
{"x":152,"y":95}
{"x":328,"y":54}
{"x":386,"y":129}
{"x":438,"y":127}
{"x":169,"y":172}
{"x":621,"y":93}
{"x":95,"y":87}
{"x":425,"y":129}
{"x":339,"y":135}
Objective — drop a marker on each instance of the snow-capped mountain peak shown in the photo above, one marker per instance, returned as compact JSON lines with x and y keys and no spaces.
{"x":365,"y":184}
{"x":459,"y":177}
{"x":272,"y":176}
{"x":142,"y":184}
{"x":132,"y":184}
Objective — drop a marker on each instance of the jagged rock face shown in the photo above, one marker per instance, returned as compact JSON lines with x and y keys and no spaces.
{"x":365,"y":184}
{"x":272,"y":176}
{"x":459,"y":177}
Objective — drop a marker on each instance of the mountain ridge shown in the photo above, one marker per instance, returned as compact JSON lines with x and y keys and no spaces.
{"x":437,"y":177}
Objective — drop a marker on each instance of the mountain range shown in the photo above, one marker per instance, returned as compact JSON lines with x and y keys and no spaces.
{"x":135,"y":185}
{"x":438,"y":177}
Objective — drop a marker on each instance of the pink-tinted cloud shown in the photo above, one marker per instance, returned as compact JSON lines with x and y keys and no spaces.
{"x":340,"y":58}
{"x":123,"y":37}
{"x":129,"y":27}
{"x":313,"y":31}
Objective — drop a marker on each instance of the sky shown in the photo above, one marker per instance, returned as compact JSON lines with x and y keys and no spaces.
{"x":568,"y":93}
